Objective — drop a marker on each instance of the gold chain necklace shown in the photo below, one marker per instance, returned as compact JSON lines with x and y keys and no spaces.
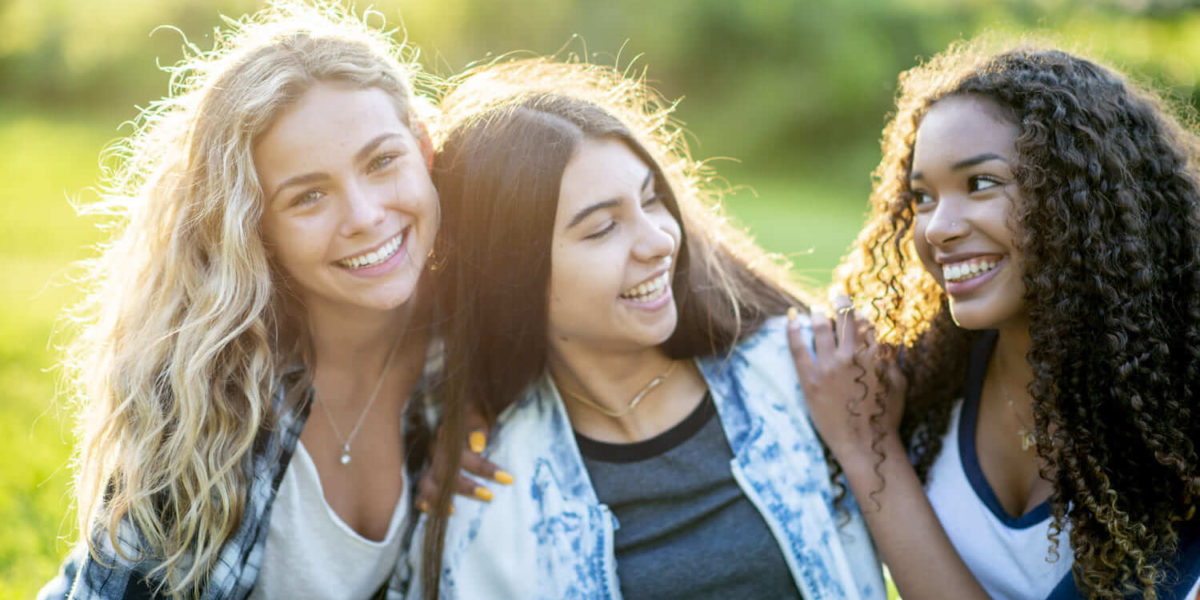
{"x":616,"y":414}
{"x":1026,"y":434}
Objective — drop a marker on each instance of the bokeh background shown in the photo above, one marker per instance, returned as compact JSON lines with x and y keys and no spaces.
{"x":786,"y":97}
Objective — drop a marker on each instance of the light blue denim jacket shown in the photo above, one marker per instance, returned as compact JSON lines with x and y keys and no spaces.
{"x":547,"y":535}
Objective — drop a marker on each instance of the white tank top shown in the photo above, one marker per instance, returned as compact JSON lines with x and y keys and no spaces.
{"x":1009,"y":556}
{"x":312,"y":553}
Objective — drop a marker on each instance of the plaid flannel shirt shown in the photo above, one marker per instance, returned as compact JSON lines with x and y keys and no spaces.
{"x":235,"y":572}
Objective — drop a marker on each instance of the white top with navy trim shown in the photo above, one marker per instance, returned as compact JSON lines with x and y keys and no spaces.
{"x":1009,"y":556}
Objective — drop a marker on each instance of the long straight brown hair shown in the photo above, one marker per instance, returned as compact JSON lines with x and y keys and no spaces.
{"x":509,"y":133}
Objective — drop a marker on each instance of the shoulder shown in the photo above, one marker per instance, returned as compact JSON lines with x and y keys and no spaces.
{"x":761,"y":357}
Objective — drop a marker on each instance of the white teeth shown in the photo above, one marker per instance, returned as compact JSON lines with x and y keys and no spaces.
{"x":968,"y":269}
{"x":651,"y":290}
{"x":374,"y":257}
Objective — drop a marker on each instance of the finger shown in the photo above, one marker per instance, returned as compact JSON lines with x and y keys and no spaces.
{"x":477,"y":441}
{"x":822,"y":330}
{"x":474,"y":419}
{"x":798,"y":346}
{"x":469,"y":488}
{"x":477,"y":465}
{"x":847,"y":334}
{"x":427,"y":490}
{"x":840,"y":302}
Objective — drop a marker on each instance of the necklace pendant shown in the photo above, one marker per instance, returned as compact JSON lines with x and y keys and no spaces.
{"x":1027,"y":439}
{"x":346,"y":454}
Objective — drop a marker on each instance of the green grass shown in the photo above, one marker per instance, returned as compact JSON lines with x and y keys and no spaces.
{"x":43,"y":160}
{"x":47,"y":159}
{"x":809,"y":222}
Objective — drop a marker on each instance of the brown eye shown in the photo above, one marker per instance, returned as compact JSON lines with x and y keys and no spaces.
{"x":920,"y":198}
{"x":978,"y":183}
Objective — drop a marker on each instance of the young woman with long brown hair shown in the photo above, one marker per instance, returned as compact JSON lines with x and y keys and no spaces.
{"x":626,"y":346}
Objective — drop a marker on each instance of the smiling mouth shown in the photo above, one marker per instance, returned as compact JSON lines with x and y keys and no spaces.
{"x":970,"y":269}
{"x":649,"y":291}
{"x":376,"y":256}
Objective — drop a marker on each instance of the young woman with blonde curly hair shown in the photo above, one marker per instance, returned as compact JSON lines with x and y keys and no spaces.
{"x":1031,"y":267}
{"x":627,"y":348}
{"x":276,"y":214}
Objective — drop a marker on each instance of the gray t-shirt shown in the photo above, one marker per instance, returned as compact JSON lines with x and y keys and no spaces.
{"x":686,"y":530}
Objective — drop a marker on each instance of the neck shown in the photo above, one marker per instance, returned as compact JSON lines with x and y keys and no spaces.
{"x":351,"y":347}
{"x":1010,"y":373}
{"x":612,"y":380}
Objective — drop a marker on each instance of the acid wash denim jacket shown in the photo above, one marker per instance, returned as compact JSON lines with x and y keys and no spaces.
{"x":547,"y":536}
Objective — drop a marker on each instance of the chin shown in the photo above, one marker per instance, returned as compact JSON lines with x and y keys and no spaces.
{"x":979,"y":318}
{"x":667,"y":330}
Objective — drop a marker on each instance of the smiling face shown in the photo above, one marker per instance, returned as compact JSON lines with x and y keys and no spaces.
{"x":964,"y":193}
{"x":350,"y":212}
{"x":614,"y":246}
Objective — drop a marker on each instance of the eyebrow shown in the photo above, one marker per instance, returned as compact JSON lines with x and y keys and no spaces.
{"x":583,"y":214}
{"x":966,"y":163}
{"x":359,"y":156}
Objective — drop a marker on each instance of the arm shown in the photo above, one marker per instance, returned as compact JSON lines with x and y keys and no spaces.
{"x":906,"y":530}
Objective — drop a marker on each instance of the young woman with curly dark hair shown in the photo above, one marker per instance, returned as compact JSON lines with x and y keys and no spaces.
{"x":1031,"y":268}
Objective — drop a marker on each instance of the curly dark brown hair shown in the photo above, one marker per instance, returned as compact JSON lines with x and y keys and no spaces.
{"x":1110,"y":235}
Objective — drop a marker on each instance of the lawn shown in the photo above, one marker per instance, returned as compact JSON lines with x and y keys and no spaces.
{"x":47,"y":160}
{"x":44,"y":162}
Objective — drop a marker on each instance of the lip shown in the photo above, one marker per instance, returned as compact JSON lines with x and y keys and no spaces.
{"x":384,"y":267}
{"x":961,"y":288}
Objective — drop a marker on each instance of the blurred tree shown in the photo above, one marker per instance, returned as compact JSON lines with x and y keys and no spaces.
{"x":776,"y":83}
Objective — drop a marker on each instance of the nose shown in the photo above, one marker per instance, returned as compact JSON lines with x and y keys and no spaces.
{"x":947,"y":222}
{"x":657,"y":238}
{"x":363,"y":208}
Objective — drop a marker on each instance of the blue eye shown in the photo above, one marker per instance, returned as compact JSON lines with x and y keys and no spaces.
{"x":307,"y":197}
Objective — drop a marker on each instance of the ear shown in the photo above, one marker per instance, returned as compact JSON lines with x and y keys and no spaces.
{"x":422,"y":134}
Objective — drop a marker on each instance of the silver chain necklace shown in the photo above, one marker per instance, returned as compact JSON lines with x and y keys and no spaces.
{"x":345,"y":458}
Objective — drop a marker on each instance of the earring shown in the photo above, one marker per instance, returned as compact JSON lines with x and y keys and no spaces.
{"x":433,"y":260}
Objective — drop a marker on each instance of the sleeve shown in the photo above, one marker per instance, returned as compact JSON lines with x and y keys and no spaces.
{"x":59,"y":588}
{"x":83,"y":577}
